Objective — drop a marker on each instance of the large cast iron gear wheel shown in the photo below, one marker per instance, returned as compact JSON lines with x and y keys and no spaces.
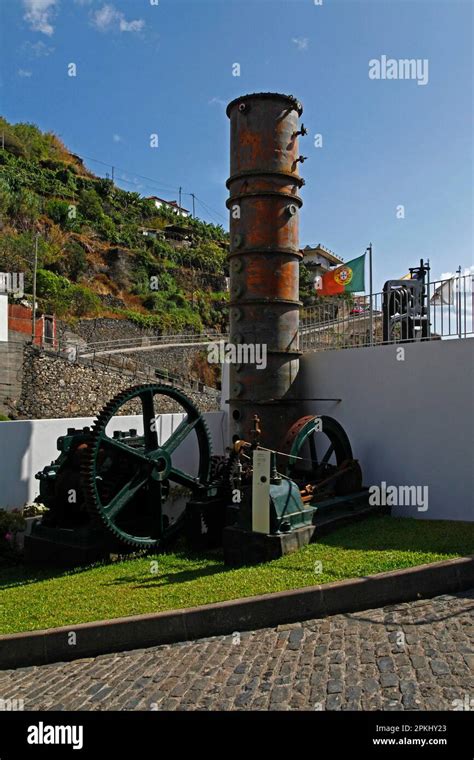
{"x":318,"y":463}
{"x":127,"y":479}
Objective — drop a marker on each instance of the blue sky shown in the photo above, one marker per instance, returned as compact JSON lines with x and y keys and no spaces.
{"x":166,"y":68}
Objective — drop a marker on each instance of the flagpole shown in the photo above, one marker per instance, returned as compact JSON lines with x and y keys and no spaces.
{"x":371,"y":309}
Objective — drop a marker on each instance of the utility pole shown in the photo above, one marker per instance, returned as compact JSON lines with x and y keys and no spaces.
{"x":192,"y":196}
{"x":35,"y":269}
{"x":180,"y":200}
{"x":113,"y":173}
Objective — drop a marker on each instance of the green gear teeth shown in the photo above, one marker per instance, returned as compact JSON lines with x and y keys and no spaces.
{"x":151,"y":463}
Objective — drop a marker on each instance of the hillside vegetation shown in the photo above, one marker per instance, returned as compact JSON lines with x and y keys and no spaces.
{"x":93,"y":256}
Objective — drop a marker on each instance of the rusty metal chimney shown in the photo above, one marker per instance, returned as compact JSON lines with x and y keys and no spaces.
{"x":264,"y":259}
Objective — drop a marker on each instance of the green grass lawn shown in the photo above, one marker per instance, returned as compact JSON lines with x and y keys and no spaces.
{"x":32,"y":599}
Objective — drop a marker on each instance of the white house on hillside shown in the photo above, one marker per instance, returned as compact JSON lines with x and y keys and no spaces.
{"x":320,"y":258}
{"x":172,"y":205}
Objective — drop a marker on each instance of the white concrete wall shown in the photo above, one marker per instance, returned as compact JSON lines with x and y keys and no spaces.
{"x":410,"y":422}
{"x":26,"y":446}
{"x":3,"y":317}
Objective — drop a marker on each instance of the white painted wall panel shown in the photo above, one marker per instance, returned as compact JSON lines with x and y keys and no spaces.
{"x":3,"y":317}
{"x":26,"y":446}
{"x":410,"y":422}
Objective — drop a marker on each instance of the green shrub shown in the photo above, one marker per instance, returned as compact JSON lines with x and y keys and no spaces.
{"x":17,"y":254}
{"x":107,"y":229}
{"x":84,"y":301}
{"x":56,"y":166}
{"x":169,"y":320}
{"x":11,"y":142}
{"x":59,"y":212}
{"x":76,"y":260}
{"x":55,"y":290}
{"x":62,"y":297}
{"x":33,"y":141}
{"x":71,"y":264}
{"x":104,"y":187}
{"x":5,"y":199}
{"x":11,"y":523}
{"x":90,"y":206}
{"x":24,"y":207}
{"x":210,"y":256}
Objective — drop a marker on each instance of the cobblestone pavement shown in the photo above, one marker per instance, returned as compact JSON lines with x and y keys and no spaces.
{"x":417,"y":656}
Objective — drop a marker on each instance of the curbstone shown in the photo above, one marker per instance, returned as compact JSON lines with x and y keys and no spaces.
{"x":224,"y":618}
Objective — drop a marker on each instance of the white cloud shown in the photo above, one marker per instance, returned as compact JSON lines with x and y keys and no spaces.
{"x":38,"y":14}
{"x":104,"y":18}
{"x":131,"y":26}
{"x":24,"y":73}
{"x":301,"y":42}
{"x":218,"y":101}
{"x":108,"y":17}
{"x":37,"y":49}
{"x":465,"y":272}
{"x":116,"y":138}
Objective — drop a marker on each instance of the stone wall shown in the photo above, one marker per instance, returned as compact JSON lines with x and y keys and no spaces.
{"x":11,"y":357}
{"x":55,"y":387}
{"x":103,"y":328}
{"x":187,"y":361}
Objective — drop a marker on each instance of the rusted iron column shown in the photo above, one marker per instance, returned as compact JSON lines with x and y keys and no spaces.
{"x":264,"y":259}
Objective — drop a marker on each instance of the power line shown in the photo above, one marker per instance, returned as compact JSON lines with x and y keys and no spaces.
{"x":122,"y":169}
{"x":209,"y":209}
{"x":156,"y":183}
{"x":146,"y":184}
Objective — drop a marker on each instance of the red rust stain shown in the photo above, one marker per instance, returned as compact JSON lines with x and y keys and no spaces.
{"x":270,"y":277}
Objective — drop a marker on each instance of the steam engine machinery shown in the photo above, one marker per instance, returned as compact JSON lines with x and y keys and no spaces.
{"x":405,"y":307}
{"x":284,"y":477}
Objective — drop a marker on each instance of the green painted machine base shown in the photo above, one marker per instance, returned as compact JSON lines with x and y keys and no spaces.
{"x":341,"y":510}
{"x":243,"y":547}
{"x":65,"y":548}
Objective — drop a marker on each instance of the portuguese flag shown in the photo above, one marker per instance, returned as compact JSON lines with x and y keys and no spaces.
{"x":348,"y":278}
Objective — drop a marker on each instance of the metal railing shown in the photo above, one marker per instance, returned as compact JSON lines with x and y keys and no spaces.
{"x":135,"y":371}
{"x":438,"y":310}
{"x":149,"y":343}
{"x":408,"y":312}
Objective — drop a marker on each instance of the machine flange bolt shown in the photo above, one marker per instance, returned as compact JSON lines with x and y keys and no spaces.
{"x":303,"y":131}
{"x":237,"y":389}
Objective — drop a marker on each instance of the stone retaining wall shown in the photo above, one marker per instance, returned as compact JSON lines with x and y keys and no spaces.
{"x":54,"y":387}
{"x":187,"y":361}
